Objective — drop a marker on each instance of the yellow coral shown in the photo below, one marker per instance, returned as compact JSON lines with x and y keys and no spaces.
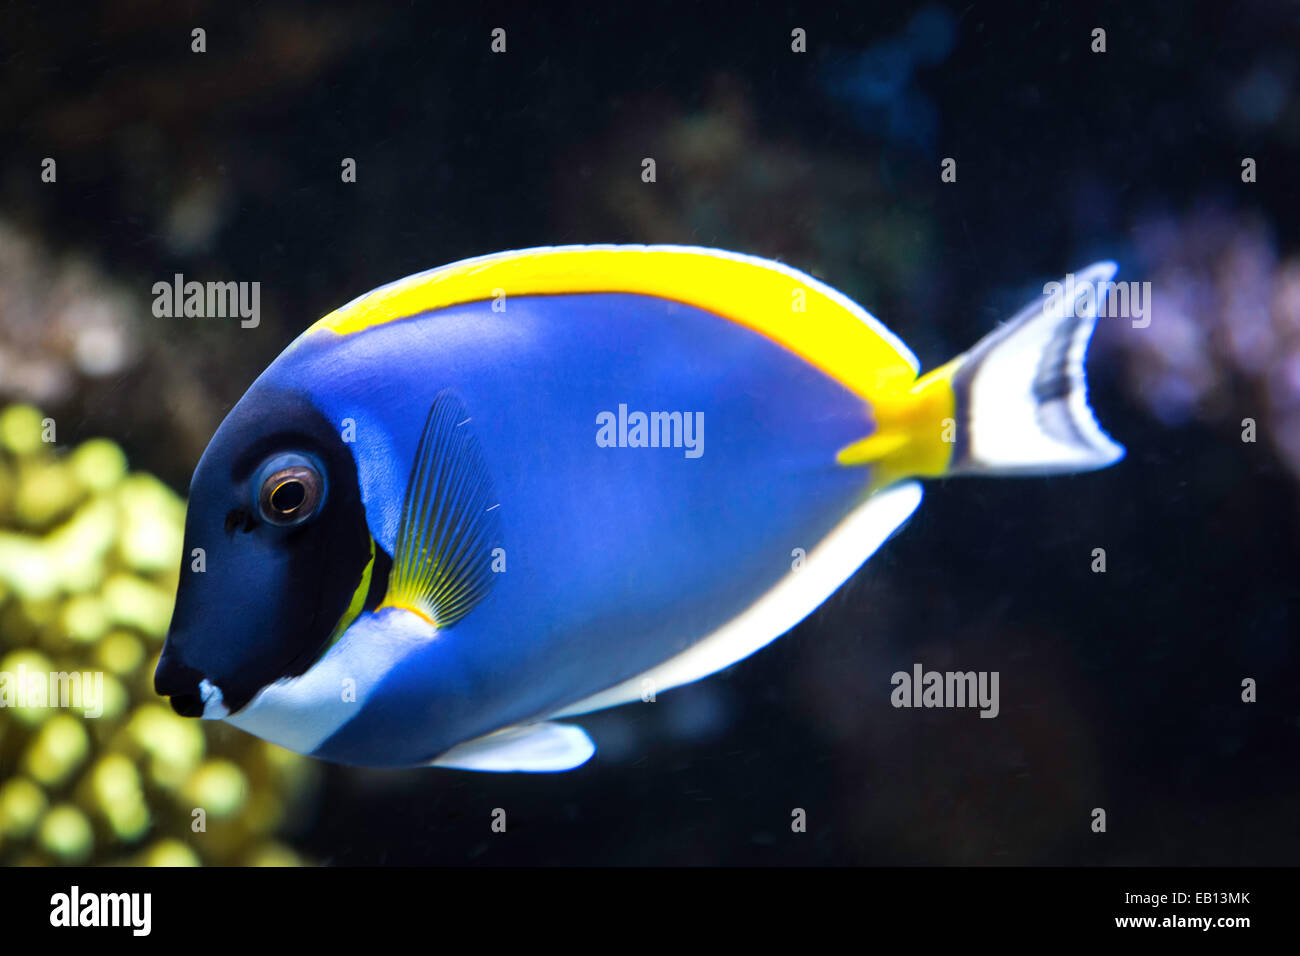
{"x":94,"y":768}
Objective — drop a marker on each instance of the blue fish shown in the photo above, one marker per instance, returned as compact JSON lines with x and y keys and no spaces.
{"x":539,"y":483}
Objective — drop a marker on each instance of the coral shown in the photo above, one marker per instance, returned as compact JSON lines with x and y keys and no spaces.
{"x":106,"y":773}
{"x":1223,"y":342}
{"x":62,"y":322}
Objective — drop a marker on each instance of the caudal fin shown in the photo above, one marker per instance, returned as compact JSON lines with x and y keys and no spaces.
{"x":1015,"y":404}
{"x":1020,"y":395}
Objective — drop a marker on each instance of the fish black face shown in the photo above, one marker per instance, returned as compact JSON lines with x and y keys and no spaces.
{"x":276,"y":543}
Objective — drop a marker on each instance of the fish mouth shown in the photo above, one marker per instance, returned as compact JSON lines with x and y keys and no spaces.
{"x":188,"y":691}
{"x":187,"y":705}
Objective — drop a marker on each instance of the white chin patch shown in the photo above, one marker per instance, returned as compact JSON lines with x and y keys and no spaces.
{"x":214,"y":708}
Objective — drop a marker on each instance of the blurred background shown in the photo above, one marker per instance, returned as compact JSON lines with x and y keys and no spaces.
{"x":1119,"y":690}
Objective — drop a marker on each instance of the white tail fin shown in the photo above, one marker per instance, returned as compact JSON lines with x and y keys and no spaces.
{"x":1021,"y":397}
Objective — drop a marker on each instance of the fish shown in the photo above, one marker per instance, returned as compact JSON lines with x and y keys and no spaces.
{"x":482,"y":500}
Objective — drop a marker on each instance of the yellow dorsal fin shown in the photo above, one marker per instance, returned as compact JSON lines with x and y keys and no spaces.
{"x":821,"y":325}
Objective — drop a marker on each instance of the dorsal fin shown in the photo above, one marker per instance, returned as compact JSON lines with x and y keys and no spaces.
{"x":442,"y":560}
{"x":793,"y":309}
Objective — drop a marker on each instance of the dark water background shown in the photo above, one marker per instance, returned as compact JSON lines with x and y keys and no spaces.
{"x":1119,"y":690}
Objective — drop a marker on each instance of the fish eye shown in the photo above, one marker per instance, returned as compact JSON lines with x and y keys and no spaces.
{"x":289,"y":489}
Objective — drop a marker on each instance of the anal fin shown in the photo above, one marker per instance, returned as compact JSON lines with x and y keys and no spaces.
{"x":832,"y":562}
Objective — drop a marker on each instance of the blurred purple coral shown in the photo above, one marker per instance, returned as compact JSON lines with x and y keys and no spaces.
{"x":1223,"y":343}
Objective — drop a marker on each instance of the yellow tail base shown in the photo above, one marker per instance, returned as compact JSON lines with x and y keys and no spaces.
{"x":916,"y":429}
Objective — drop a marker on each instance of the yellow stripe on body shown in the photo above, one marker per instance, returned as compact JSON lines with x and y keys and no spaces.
{"x":817,"y":323}
{"x":357,"y":603}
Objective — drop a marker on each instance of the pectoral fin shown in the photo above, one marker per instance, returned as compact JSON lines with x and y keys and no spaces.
{"x":442,"y":561}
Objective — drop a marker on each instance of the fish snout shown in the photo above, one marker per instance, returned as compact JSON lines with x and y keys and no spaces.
{"x":181,"y":684}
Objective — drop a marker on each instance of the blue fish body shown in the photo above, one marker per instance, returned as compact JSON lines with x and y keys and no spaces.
{"x":599,"y":542}
{"x":612,"y":560}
